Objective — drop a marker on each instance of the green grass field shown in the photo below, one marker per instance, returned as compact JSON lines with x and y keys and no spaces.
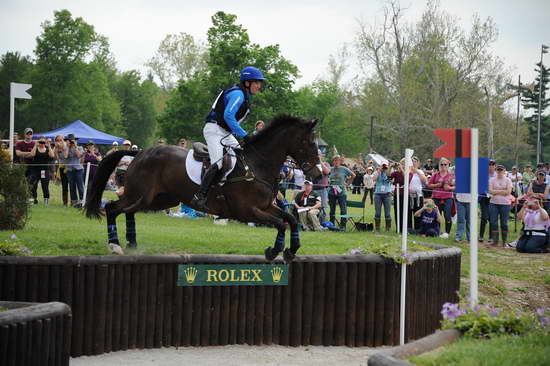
{"x":531,"y":349}
{"x":507,"y":279}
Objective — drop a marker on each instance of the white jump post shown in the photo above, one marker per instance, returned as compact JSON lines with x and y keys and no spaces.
{"x":86,"y":184}
{"x":405,"y":232}
{"x":473,"y":216}
{"x":398,"y":208}
{"x":16,"y":91}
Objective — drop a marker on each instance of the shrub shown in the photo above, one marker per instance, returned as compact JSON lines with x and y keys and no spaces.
{"x":14,"y":194}
{"x":486,"y":321}
{"x":10,"y":248}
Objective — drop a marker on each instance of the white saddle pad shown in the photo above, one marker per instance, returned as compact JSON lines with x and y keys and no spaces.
{"x":194,"y":168}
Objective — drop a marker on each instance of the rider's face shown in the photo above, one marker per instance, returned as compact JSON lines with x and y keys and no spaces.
{"x":255,"y":86}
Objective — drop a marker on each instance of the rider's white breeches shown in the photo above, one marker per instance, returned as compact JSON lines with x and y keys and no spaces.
{"x":215,"y":136}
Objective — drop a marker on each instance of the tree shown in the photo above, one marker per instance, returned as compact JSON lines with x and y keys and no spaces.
{"x":228,"y":51}
{"x":428,"y":71}
{"x":137,"y":106}
{"x":70,"y":80}
{"x":178,"y":57}
{"x":13,"y":68}
{"x":530,"y":101}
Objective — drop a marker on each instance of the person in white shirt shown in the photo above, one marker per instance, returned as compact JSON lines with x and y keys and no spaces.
{"x":416,"y":198}
{"x":368,"y":183}
{"x":122,"y":166}
{"x":534,"y":233}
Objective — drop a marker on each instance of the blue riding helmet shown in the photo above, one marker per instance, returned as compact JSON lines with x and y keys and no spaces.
{"x":251,"y":73}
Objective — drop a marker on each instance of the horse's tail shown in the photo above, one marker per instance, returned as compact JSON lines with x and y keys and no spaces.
{"x":102,"y":174}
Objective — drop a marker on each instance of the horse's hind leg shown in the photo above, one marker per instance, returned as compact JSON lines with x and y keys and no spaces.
{"x":112,"y":210}
{"x":131,"y":231}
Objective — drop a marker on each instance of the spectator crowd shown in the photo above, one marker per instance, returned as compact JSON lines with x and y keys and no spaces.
{"x":433,"y":205}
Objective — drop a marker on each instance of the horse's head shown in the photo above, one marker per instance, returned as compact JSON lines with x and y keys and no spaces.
{"x":305,"y":151}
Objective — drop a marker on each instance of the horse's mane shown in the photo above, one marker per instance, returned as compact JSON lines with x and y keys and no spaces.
{"x":280,"y":122}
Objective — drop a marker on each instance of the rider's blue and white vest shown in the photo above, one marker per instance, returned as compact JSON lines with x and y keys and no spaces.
{"x":218,"y":108}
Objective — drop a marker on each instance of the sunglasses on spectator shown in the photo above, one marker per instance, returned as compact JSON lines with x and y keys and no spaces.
{"x":443,"y":164}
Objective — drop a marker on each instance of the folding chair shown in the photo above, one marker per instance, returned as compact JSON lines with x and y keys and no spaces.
{"x":353,"y":219}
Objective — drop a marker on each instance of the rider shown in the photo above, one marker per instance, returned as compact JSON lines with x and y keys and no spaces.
{"x":222,"y":123}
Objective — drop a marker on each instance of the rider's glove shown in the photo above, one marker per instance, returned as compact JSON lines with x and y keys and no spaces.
{"x":243,"y":140}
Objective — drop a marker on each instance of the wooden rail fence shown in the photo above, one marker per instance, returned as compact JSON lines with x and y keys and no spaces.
{"x":127,"y":302}
{"x":35,"y":334}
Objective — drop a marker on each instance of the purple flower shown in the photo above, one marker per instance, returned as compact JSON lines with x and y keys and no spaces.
{"x":502,"y":330}
{"x":540,"y":311}
{"x":494,"y":312}
{"x":476,"y":309}
{"x":544,"y":321}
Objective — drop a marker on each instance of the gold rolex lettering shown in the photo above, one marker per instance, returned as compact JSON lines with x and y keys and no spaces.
{"x":223,"y":275}
{"x":212,"y":275}
{"x":256,"y":274}
{"x":244,"y":274}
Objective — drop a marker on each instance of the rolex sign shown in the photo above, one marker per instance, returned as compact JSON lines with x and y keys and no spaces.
{"x":232,"y":274}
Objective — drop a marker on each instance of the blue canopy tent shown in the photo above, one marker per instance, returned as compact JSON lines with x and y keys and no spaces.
{"x":83,"y":133}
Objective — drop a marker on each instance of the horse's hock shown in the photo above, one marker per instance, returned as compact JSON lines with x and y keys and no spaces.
{"x":128,"y":302}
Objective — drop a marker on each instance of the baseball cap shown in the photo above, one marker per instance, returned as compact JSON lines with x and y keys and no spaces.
{"x":134,"y":147}
{"x":126,"y":142}
{"x":115,"y":143}
{"x":501,"y":167}
{"x":307,"y":182}
{"x":28,"y":129}
{"x":541,"y":172}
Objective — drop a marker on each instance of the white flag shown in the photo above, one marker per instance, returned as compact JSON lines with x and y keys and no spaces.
{"x":20,"y":91}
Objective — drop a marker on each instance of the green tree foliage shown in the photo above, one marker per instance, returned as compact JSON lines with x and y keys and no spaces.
{"x":137,"y":106}
{"x":179,"y":57}
{"x":13,"y":68}
{"x":69,"y":80}
{"x":228,"y":50}
{"x":530,"y":100}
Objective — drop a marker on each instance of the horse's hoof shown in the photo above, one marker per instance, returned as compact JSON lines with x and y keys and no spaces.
{"x":131,"y":245}
{"x":116,"y":249}
{"x":269,"y":256}
{"x":288,"y":256}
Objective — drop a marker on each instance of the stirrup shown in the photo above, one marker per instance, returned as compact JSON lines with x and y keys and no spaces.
{"x":199,"y":201}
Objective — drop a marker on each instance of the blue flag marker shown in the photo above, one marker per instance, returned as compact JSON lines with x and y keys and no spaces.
{"x":462,"y":174}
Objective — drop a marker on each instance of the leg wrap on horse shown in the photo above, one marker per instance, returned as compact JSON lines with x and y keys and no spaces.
{"x":294,"y":241}
{"x":279,"y":242}
{"x":130,"y":228}
{"x":112,"y":234}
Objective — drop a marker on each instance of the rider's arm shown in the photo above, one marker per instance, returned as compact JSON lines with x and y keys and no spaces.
{"x":234,"y":101}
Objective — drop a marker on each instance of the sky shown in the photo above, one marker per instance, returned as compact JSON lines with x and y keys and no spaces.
{"x":308,"y":32}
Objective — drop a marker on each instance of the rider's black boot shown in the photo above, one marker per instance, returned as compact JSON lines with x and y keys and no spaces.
{"x":199,"y":199}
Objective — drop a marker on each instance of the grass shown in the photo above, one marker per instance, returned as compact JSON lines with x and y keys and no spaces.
{"x":507,"y":279}
{"x":57,"y":230}
{"x":531,"y":349}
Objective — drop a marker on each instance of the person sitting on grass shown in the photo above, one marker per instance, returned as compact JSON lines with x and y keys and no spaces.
{"x":534,"y":234}
{"x":429,"y":219}
{"x":307,"y":203}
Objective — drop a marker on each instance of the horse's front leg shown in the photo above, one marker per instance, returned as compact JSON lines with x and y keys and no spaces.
{"x":290,"y":253}
{"x":272,"y":216}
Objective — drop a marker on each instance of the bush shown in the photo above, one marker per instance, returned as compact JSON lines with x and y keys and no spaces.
{"x":488,"y":322}
{"x":14,"y":194}
{"x":10,"y":248}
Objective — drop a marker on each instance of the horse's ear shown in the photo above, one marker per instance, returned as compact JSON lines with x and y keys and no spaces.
{"x":313,"y":123}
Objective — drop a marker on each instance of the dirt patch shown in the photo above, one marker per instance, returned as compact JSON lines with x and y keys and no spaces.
{"x":233,"y":355}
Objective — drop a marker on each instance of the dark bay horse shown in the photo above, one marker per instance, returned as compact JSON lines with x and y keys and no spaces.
{"x":157,"y":179}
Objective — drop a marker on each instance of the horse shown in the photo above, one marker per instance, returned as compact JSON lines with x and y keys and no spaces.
{"x":157,"y":179}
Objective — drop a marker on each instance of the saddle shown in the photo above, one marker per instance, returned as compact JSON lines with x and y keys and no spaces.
{"x":200,"y":154}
